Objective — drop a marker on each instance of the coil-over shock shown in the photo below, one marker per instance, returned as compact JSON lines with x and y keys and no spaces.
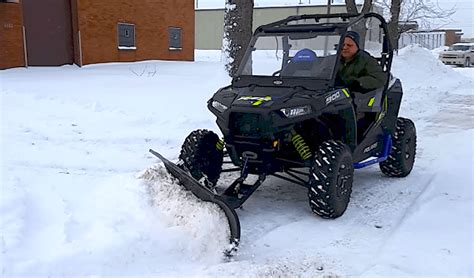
{"x":300,"y":145}
{"x":220,"y":145}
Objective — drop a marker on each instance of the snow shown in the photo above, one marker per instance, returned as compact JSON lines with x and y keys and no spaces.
{"x":220,"y":4}
{"x":81,"y":195}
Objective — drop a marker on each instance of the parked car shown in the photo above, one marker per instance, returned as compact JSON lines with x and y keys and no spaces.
{"x":461,"y":54}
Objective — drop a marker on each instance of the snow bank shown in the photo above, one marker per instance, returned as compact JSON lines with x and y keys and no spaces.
{"x":428,"y":84}
{"x":420,"y":70}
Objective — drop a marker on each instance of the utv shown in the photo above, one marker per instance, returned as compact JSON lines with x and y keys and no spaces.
{"x":284,"y":115}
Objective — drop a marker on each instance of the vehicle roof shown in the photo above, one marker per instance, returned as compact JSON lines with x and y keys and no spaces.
{"x":311,"y":23}
{"x":464,"y":43}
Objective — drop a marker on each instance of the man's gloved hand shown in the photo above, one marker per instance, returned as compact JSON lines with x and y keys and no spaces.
{"x":355,"y":86}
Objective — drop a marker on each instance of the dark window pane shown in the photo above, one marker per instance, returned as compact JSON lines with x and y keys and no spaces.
{"x":174,"y":35}
{"x":126,"y":35}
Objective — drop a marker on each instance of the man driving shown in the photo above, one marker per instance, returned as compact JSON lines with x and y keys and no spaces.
{"x":358,"y":70}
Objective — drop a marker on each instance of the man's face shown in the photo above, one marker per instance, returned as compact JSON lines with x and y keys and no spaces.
{"x":349,"y":49}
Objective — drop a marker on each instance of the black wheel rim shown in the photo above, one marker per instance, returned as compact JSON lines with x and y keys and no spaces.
{"x":407,"y":153}
{"x":343,"y":177}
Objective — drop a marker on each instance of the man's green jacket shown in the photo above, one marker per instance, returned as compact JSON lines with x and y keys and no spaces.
{"x":361,"y":74}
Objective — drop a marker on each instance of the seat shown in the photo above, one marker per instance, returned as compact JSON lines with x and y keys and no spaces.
{"x":301,"y":64}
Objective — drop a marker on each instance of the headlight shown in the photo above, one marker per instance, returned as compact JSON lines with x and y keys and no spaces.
{"x":296,"y":111}
{"x":219,"y":106}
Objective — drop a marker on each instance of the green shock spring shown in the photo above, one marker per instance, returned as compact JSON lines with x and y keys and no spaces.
{"x":301,"y":147}
{"x":220,"y":145}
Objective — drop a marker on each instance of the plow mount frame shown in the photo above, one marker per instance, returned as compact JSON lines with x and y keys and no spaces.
{"x":231,"y":197}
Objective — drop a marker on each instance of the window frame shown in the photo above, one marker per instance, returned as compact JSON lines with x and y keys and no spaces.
{"x":125,"y":47}
{"x":173,"y":47}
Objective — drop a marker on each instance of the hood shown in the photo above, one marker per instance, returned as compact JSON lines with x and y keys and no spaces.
{"x":263,"y":96}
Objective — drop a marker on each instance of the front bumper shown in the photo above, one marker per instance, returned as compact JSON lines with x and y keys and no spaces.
{"x":453,"y":60}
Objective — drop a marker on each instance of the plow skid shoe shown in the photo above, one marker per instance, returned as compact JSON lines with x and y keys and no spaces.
{"x":206,"y":195}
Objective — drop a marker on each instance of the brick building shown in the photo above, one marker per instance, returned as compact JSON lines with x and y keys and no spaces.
{"x":452,"y":35}
{"x":58,"y":32}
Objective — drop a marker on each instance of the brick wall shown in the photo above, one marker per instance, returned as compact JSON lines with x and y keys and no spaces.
{"x":97,"y":23}
{"x":11,"y":36}
{"x":94,"y":26}
{"x":452,"y":37}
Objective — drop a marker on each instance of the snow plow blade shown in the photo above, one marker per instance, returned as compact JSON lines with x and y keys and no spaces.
{"x":206,"y":195}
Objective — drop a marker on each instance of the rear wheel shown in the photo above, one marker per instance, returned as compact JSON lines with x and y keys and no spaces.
{"x":331,"y":176}
{"x":467,"y":62}
{"x":202,"y":156}
{"x":402,"y":155}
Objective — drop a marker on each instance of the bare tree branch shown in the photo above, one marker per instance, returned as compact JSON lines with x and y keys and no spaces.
{"x":424,"y":12}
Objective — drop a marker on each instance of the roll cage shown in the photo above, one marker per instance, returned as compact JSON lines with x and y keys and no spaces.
{"x":290,"y":25}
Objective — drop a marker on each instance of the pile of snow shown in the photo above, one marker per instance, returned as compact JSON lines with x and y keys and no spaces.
{"x":425,"y":69}
{"x":205,"y":233}
{"x":428,"y":85}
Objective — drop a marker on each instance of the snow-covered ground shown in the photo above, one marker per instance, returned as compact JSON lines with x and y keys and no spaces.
{"x":219,"y":4}
{"x":81,"y":195}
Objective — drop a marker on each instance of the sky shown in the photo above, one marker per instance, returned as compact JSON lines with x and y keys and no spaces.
{"x":461,"y":19}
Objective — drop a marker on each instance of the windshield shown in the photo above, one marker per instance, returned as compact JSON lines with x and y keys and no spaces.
{"x":292,"y":55}
{"x":459,"y":47}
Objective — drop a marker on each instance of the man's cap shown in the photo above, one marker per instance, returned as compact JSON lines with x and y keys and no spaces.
{"x":354,"y":36}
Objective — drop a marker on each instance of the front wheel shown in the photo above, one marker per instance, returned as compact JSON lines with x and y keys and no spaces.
{"x":202,"y":156}
{"x":330,"y":182}
{"x":402,"y":155}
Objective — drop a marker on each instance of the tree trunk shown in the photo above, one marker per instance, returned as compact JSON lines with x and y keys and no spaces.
{"x":351,"y":7}
{"x":359,"y":28}
{"x":394,"y":21}
{"x":238,"y":20}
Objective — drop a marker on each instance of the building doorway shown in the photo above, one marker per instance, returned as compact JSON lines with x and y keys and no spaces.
{"x":48,"y":27}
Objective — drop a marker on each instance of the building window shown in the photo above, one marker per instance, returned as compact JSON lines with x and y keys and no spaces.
{"x":126,"y":36}
{"x":174,"y":34}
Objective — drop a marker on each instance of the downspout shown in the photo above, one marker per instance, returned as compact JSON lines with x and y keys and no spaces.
{"x":25,"y":50}
{"x":80,"y":48}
